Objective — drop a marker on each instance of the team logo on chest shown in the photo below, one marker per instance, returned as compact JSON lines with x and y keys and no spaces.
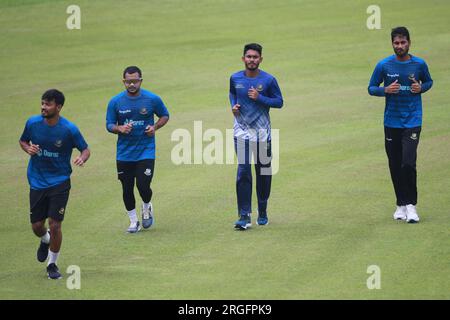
{"x":143,"y":111}
{"x":58,"y":143}
{"x":259,"y":87}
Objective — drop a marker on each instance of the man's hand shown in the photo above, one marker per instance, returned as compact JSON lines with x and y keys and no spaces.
{"x":235,"y":109}
{"x":150,"y":130}
{"x":416,"y":87}
{"x":126,"y":128}
{"x":253,"y":93}
{"x":393,"y":88}
{"x":78,"y":161}
{"x":82,"y":158}
{"x":33,"y":149}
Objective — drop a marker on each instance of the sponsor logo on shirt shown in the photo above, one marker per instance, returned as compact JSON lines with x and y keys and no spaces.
{"x":393,"y":75}
{"x":239,"y":86}
{"x":124,"y":111}
{"x":134,"y":122}
{"x":47,"y":154}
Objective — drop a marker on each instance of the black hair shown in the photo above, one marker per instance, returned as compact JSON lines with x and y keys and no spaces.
{"x":54,"y":95}
{"x":399,"y":31}
{"x":132,"y":69}
{"x":253,"y":46}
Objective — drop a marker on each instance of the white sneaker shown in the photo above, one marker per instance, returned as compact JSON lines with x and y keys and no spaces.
{"x":411,"y":214}
{"x":134,"y":227}
{"x":400,"y":213}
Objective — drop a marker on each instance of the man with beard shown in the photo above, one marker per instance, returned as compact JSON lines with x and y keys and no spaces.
{"x":252,"y":93}
{"x":405,"y":78}
{"x":130,"y":115}
{"x":49,"y":139}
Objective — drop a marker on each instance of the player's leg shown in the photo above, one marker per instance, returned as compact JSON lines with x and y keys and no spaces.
{"x":38,"y":215}
{"x":393,"y":147}
{"x":55,"y":247}
{"x":144,"y":175}
{"x":58,"y":197}
{"x":125,"y":173}
{"x":410,"y":142}
{"x":243,"y":184}
{"x":263,"y":179}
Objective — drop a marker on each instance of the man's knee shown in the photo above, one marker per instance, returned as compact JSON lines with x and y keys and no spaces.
{"x":244,"y":172}
{"x":38,"y":228}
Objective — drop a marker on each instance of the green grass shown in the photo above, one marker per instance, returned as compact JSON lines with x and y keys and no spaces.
{"x":332,"y":200}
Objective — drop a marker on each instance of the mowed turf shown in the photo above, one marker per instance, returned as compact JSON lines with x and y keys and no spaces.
{"x":332,"y":200}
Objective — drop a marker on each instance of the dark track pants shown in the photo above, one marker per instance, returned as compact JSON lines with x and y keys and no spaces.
{"x":262,"y":154}
{"x":401,"y":149}
{"x":140,"y":171}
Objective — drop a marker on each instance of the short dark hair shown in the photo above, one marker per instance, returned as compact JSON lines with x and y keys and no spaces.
{"x":132,"y":69}
{"x":253,"y":46}
{"x":399,"y":31}
{"x":54,"y":95}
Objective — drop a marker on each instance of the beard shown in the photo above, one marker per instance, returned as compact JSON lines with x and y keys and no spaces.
{"x":401,"y":53}
{"x":132,"y":90}
{"x":252,"y":67}
{"x":47,"y":114}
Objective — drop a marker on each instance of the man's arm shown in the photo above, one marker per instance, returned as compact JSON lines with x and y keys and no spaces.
{"x":82,"y":158}
{"x":125,"y":129}
{"x":150,"y":130}
{"x":274,"y":100}
{"x":25,"y":141}
{"x":427,"y":82}
{"x":29,"y":147}
{"x":111,"y":121}
{"x":163,"y":115}
{"x":233,"y":99}
{"x":375,"y":81}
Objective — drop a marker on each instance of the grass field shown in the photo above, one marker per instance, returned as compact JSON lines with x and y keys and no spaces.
{"x":332,"y":200}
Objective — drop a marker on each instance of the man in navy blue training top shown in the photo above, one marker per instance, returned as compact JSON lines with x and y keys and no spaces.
{"x":405,"y":78}
{"x":252,"y":93}
{"x":130,"y":115}
{"x":49,"y":139}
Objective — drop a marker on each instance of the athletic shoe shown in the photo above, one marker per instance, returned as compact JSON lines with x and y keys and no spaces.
{"x":244,"y":222}
{"x":53,"y":272}
{"x":147,"y":216}
{"x":42,"y":251}
{"x":134,"y":227}
{"x":262,"y":219}
{"x":411,"y":214}
{"x":400,"y":213}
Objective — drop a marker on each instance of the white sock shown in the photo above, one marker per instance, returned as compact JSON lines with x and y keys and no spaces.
{"x":52,"y":257}
{"x":147,"y":205}
{"x":46,"y":238}
{"x":133,"y":216}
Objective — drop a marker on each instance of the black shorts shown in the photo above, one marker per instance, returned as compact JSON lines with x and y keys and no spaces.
{"x":49,"y":203}
{"x":142,"y":169}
